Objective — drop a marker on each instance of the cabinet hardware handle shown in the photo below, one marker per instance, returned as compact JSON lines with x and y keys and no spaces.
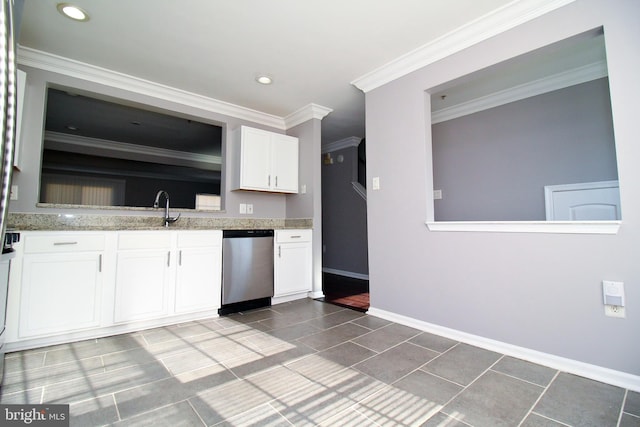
{"x":276,"y":180}
{"x":64,"y":243}
{"x":296,"y":237}
{"x":279,"y":251}
{"x":168,"y":258}
{"x":269,"y":181}
{"x":100,"y":263}
{"x":180,"y":258}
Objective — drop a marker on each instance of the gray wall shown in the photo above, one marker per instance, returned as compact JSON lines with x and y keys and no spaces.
{"x":344,"y":215}
{"x":266,"y":205}
{"x":309,"y":204}
{"x":538,"y":291}
{"x":494,"y":164}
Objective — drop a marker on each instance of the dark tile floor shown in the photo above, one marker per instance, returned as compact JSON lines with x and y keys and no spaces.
{"x":305,"y":363}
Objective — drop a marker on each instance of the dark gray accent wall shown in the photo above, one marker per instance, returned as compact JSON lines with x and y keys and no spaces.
{"x":494,"y":164}
{"x":344,"y":216}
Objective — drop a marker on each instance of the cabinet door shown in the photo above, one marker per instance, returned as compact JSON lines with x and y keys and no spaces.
{"x":198,"y":280}
{"x":142,"y":279}
{"x":284,"y":163}
{"x":255,"y":159}
{"x":60,"y":293}
{"x":292,"y":268}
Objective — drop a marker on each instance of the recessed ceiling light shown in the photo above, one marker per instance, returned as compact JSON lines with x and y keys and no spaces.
{"x":264,"y":80}
{"x":73,"y":12}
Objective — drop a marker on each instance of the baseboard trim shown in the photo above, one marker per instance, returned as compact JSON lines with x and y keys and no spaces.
{"x":597,"y":373}
{"x":315,"y":294}
{"x":345,"y":273}
{"x":287,"y":298}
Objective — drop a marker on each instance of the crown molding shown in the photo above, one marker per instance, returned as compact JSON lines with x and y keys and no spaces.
{"x":498,"y":21}
{"x":58,"y":140}
{"x":352,"y":141}
{"x":80,"y":70}
{"x":557,"y":81}
{"x":308,"y":112}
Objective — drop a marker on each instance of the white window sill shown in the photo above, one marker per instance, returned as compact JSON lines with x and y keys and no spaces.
{"x":566,"y":227}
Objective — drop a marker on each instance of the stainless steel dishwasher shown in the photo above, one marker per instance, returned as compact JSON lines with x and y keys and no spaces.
{"x":247,"y":269}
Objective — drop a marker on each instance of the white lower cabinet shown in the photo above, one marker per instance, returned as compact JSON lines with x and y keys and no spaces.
{"x":61,"y":285}
{"x":293,"y":262}
{"x":142,"y":281}
{"x":164,"y":273}
{"x":199,"y":271}
{"x":66,"y":286}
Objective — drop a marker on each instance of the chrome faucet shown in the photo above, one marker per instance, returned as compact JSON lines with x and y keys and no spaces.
{"x":167,"y":219}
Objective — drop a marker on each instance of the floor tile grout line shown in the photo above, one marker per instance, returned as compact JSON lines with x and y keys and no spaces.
{"x":518,"y":378}
{"x":548,"y":418}
{"x":97,"y":396}
{"x":364,"y":415}
{"x":154,"y":409}
{"x":544,"y":391}
{"x":464,"y":388}
{"x":24,"y":391}
{"x":624,"y":401}
{"x":196,"y":412}
{"x":407,"y":341}
{"x":280,"y":413}
{"x":115,"y":405}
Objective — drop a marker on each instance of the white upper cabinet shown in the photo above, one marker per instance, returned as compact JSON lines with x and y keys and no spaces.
{"x":265,"y":161}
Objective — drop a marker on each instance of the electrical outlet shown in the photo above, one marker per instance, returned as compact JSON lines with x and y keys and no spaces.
{"x":243,"y":208}
{"x":614,"y":311}
{"x":14,"y":193}
{"x":250,"y":209}
{"x":437,"y":194}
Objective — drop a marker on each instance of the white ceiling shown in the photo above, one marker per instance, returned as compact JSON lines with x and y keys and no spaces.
{"x":313,"y":49}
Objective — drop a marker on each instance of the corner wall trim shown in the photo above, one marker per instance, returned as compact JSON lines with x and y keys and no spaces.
{"x":498,"y":21}
{"x":306,"y":113}
{"x":597,"y":373}
{"x":548,"y":84}
{"x":352,"y":141}
{"x":345,"y":273}
{"x":58,"y":64}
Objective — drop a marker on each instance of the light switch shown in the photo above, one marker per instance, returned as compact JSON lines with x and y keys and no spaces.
{"x":250,"y":208}
{"x":375,"y":184}
{"x":243,"y":208}
{"x":437,"y":194}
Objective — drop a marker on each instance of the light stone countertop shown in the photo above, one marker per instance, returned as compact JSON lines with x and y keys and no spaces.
{"x":79,"y":222}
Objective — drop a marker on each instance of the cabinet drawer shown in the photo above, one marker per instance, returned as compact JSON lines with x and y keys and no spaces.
{"x":199,"y":239}
{"x":293,"y":236}
{"x":63,"y":243}
{"x":144,"y":240}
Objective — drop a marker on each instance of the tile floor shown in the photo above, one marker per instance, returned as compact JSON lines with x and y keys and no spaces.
{"x":305,"y":363}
